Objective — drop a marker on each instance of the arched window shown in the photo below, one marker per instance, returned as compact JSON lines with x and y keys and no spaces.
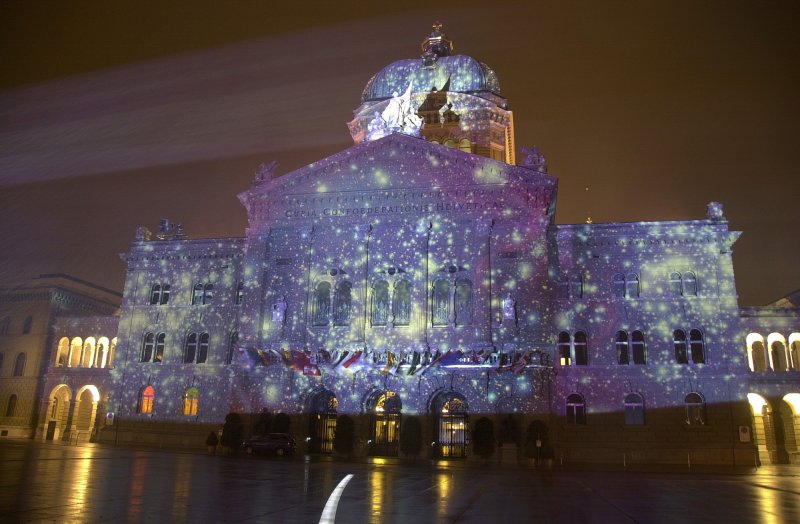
{"x":695,"y":409}
{"x":164,"y":294}
{"x":380,"y":303}
{"x":758,"y":356}
{"x":62,"y":353}
{"x":690,"y":284}
{"x":190,"y":400}
{"x":112,"y":351}
{"x":202,"y":350}
{"x":234,"y":341}
{"x":619,"y":285}
{"x":208,"y":293}
{"x":74,"y":359}
{"x":159,"y":353}
{"x":441,"y":302}
{"x":26,"y":327}
{"x":563,"y":288}
{"x":197,"y":295}
{"x":463,"y":302}
{"x":697,"y":346}
{"x":146,"y":400}
{"x":777,"y":351}
{"x":632,"y":285}
{"x":581,"y":349}
{"x":4,"y":325}
{"x":465,"y":146}
{"x":634,"y":409}
{"x":148,"y":343}
{"x":563,"y":348}
{"x":155,"y":294}
{"x":401,"y":305}
{"x":794,"y":351}
{"x":342,"y":303}
{"x":322,"y":304}
{"x":449,"y":143}
{"x":676,"y":284}
{"x":623,"y":356}
{"x":19,"y":365}
{"x":576,"y":286}
{"x":88,"y":353}
{"x":681,"y":350}
{"x":190,"y":348}
{"x":239,"y":297}
{"x":638,"y":348}
{"x":576,"y":410}
{"x":11,"y":410}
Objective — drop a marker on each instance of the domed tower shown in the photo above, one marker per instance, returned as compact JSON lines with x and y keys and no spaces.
{"x":453,"y":100}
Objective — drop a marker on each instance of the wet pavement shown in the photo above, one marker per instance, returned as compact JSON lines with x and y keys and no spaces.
{"x":45,"y":482}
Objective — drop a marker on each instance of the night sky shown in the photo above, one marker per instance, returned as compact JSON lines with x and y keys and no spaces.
{"x":113,"y":115}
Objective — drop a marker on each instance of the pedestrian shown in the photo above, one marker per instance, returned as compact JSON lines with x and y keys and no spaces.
{"x":211,"y":443}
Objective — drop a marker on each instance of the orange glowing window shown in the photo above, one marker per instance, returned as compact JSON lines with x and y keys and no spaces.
{"x":146,"y":400}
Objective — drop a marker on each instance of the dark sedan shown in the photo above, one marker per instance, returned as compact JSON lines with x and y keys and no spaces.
{"x":279,"y":444}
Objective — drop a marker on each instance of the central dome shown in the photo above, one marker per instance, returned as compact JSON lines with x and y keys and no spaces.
{"x":466,"y":75}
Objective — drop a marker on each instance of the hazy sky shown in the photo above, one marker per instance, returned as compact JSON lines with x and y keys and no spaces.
{"x":113,"y":115}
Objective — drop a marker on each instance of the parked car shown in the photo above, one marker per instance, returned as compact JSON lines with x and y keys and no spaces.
{"x":270,"y":444}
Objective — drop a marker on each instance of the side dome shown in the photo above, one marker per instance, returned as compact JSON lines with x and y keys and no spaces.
{"x":464,"y":73}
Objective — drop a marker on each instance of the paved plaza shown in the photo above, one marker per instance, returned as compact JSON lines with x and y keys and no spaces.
{"x":44,"y":482}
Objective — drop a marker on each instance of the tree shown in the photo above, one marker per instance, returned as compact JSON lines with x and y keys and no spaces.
{"x":411,"y":436}
{"x":483,"y":437}
{"x":344,"y":437}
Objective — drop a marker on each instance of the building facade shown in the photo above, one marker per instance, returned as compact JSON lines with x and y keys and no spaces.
{"x":421,"y":273}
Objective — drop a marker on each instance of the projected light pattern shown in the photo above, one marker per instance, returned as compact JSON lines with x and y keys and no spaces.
{"x":401,"y":268}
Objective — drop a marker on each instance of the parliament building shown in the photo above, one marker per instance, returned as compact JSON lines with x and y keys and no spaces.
{"x":421,"y":273}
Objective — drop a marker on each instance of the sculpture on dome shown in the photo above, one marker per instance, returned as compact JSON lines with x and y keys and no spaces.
{"x":534,"y":159}
{"x":399,"y":116}
{"x":714,"y":211}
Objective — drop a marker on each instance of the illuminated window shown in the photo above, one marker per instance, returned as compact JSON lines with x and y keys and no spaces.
{"x":449,"y":143}
{"x":795,"y":353}
{"x":638,"y":348}
{"x":634,"y":409}
{"x":11,"y":409}
{"x":695,"y":409}
{"x":26,"y":327}
{"x":697,"y":346}
{"x":234,"y":341}
{"x":465,"y":146}
{"x":146,"y":400}
{"x":632,"y":285}
{"x":190,"y":400}
{"x":621,"y":343}
{"x":342,"y":301}
{"x":4,"y":325}
{"x":62,"y":353}
{"x":690,"y":284}
{"x":159,"y":350}
{"x":463,"y":302}
{"x":777,"y":350}
{"x":619,"y":285}
{"x":380,"y":303}
{"x":681,"y":349}
{"x":576,"y":410}
{"x":19,"y":365}
{"x":676,"y":284}
{"x":322,"y":304}
{"x":581,"y":349}
{"x":239,"y":292}
{"x":440,"y":314}
{"x":564,"y":348}
{"x":758,"y":356}
{"x":401,"y":303}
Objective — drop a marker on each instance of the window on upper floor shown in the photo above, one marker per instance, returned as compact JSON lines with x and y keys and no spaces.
{"x":695,"y":409}
{"x":463,"y":300}
{"x":676,"y":284}
{"x":26,"y":327}
{"x":202,"y":294}
{"x":681,"y":348}
{"x":401,"y":303}
{"x":342,"y":303}
{"x":239,"y":297}
{"x":19,"y":365}
{"x":697,"y":346}
{"x":440,"y":303}
{"x":576,"y":286}
{"x":155,"y":294}
{"x":621,"y":344}
{"x":638,"y":348}
{"x":689,"y":284}
{"x":62,"y":353}
{"x":777,"y":355}
{"x":576,"y":410}
{"x":147,"y":397}
{"x":321,"y":304}
{"x":563,"y":288}
{"x":564,"y":349}
{"x":572,"y":350}
{"x":758,"y":356}
{"x":634,"y":409}
{"x":380,"y":303}
{"x":619,"y":285}
{"x":233,"y":343}
{"x":632,"y":285}
{"x":153,"y":347}
{"x":196,"y":348}
{"x":11,"y":409}
{"x":794,"y":351}
{"x":581,"y":346}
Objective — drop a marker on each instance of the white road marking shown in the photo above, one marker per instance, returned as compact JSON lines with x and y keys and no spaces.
{"x":329,"y":513}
